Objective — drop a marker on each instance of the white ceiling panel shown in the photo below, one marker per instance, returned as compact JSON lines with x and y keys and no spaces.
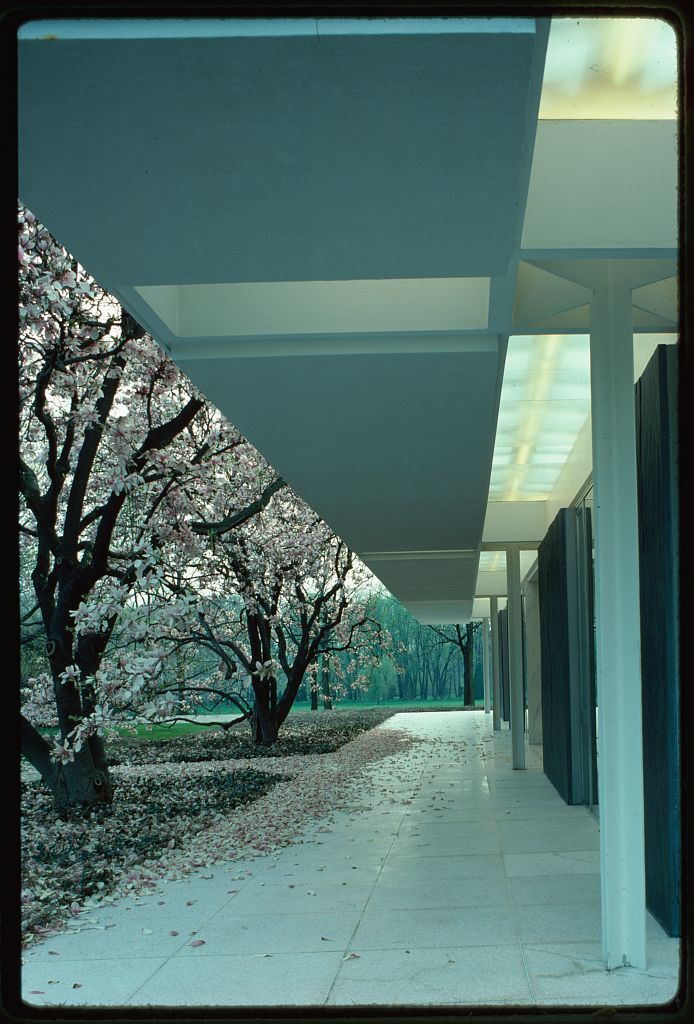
{"x":343,"y":154}
{"x":394,"y":451}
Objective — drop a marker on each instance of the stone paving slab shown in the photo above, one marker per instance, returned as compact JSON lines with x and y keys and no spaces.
{"x":458,"y":882}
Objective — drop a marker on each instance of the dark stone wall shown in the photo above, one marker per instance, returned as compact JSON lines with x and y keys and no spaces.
{"x":656,"y":393}
{"x":555,"y":658}
{"x":504,"y":682}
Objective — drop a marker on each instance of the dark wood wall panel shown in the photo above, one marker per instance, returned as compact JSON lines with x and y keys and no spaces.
{"x":657,"y":481}
{"x":504,"y":682}
{"x":554,"y":658}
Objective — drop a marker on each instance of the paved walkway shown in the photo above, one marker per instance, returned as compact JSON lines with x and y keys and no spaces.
{"x":459,"y":882}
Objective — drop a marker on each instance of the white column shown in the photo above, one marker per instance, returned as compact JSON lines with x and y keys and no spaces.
{"x":496,"y":689}
{"x":485,"y":665}
{"x":515,"y":656}
{"x":617,"y":614}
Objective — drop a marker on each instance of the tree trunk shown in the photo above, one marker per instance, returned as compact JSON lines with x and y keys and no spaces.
{"x":79,"y":783}
{"x":85,"y":781}
{"x":325,"y":685}
{"x":468,"y":692}
{"x":265,"y":720}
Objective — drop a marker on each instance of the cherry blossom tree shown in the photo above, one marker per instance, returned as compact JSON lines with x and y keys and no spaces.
{"x":119,"y":455}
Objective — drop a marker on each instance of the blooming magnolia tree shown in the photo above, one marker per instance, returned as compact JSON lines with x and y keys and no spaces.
{"x":121,"y":469}
{"x":297,"y":597}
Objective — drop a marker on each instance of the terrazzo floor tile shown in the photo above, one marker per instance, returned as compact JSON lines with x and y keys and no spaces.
{"x":459,"y":841}
{"x":231,"y":932}
{"x":419,"y":815}
{"x":443,"y":976}
{"x":662,"y":955}
{"x":565,"y":823}
{"x":371,"y":883}
{"x":84,"y":982}
{"x":549,"y":812}
{"x":559,"y":922}
{"x":435,"y":893}
{"x":312,"y":897}
{"x":119,"y":932}
{"x":559,"y":976}
{"x":457,"y":868}
{"x":414,"y":929}
{"x":285,"y":979}
{"x":444,"y":832}
{"x":556,"y":840}
{"x":564,"y":863}
{"x":324,"y":871}
{"x":557,"y":889}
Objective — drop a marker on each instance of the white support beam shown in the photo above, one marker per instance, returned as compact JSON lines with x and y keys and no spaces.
{"x":496,"y":688}
{"x":617,"y":613}
{"x":485,"y":665}
{"x":515,"y":657}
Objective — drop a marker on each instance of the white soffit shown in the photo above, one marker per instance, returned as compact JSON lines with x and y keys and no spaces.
{"x":617,"y":68}
{"x":609,"y":185}
{"x":495,"y":561}
{"x":425,"y":575}
{"x":367,"y":149}
{"x":491,"y":577}
{"x":492,"y":584}
{"x":540,"y":294}
{"x":328,"y":199}
{"x":320,"y":307}
{"x":545,"y":299}
{"x":370,"y":440}
{"x":659,"y":298}
{"x":644,"y":347}
{"x":432,"y":613}
{"x":481,"y":608}
{"x":521,"y":521}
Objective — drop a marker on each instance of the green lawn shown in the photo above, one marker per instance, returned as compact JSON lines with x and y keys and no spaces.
{"x":153,"y":732}
{"x":159,"y":732}
{"x":400,"y":705}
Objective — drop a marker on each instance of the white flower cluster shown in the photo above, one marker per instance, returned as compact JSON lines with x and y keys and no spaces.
{"x":92,"y":616}
{"x":38,"y":701}
{"x":266,"y":669}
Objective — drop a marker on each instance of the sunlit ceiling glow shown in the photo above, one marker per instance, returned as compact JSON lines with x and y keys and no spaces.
{"x":622,"y":68}
{"x":495,"y":561}
{"x":545,"y":401}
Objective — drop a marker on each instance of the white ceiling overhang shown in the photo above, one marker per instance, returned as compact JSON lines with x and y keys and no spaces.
{"x":339,"y":227}
{"x":281,"y":151}
{"x":318,"y":220}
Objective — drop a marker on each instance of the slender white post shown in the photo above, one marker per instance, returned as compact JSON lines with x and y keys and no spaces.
{"x":496,"y":688}
{"x":485,"y":665}
{"x":617,"y":614}
{"x":515,"y":656}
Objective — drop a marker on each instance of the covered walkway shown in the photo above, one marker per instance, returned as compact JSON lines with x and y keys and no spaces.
{"x":458,"y":882}
{"x":442,"y":250}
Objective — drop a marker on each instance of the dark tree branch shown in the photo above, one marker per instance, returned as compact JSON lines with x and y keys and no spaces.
{"x":232,"y":521}
{"x":85,"y":461}
{"x":37,"y":751}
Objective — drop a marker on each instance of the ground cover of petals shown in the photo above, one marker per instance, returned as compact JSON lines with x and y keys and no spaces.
{"x":170,"y":818}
